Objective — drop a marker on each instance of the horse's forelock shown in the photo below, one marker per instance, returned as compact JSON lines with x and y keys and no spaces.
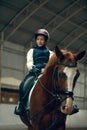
{"x":68,"y":54}
{"x":54,"y":58}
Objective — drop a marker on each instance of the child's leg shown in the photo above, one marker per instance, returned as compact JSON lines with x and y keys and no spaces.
{"x":24,"y":89}
{"x":19,"y":108}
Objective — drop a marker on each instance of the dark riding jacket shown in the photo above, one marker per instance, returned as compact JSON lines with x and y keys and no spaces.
{"x":40,"y":58}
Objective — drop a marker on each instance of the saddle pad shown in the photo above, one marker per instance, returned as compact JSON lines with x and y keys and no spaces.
{"x":30,"y":93}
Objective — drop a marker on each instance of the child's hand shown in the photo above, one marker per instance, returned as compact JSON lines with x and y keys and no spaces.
{"x":35,"y":70}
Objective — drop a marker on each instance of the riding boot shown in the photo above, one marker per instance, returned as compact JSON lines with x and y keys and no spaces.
{"x":75,"y":110}
{"x":19,"y":110}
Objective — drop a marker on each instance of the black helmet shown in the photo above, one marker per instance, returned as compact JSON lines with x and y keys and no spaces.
{"x":43,"y":32}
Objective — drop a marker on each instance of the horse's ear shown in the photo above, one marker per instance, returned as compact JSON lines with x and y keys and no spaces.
{"x":59,"y":53}
{"x":80,"y":55}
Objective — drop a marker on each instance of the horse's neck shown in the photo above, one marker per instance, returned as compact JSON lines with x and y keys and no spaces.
{"x":47,"y":77}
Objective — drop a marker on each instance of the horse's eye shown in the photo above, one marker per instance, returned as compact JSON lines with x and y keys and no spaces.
{"x":69,"y":60}
{"x":62,"y":75}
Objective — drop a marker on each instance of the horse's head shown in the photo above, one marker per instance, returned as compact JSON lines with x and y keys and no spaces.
{"x":65,"y":74}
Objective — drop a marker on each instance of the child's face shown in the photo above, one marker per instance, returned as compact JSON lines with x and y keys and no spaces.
{"x":40,"y":40}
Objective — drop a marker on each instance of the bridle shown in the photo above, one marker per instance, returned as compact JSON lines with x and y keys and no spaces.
{"x":56,"y":94}
{"x":58,"y":91}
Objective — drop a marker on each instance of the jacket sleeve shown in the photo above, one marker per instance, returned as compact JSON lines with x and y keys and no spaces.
{"x":29,"y":57}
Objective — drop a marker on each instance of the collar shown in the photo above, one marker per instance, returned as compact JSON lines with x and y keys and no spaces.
{"x":41,"y":48}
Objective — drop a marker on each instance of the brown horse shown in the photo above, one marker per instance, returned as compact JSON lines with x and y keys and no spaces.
{"x":52,"y":96}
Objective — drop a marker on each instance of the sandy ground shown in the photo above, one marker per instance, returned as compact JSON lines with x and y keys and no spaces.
{"x":23,"y":127}
{"x":13,"y":127}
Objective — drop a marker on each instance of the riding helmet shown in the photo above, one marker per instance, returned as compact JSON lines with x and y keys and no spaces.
{"x":43,"y":32}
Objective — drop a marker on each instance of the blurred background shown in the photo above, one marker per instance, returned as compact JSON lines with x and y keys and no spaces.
{"x":66,"y":21}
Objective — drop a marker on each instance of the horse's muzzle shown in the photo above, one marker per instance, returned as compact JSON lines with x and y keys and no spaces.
{"x":67,"y":106}
{"x":66,"y":109}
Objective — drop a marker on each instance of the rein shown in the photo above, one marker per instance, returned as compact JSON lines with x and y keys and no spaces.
{"x":57,"y":90}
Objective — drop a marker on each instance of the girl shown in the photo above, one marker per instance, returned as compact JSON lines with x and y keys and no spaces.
{"x":37,"y":59}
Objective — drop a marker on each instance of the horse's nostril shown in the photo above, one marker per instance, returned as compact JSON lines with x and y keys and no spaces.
{"x":63,"y":107}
